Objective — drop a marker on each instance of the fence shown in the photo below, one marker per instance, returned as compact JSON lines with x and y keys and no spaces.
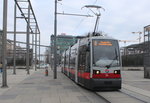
{"x":134,"y":60}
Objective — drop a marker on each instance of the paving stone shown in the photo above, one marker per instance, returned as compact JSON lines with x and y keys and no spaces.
{"x":43,"y":88}
{"x":55,"y":83}
{"x":69,"y":87}
{"x":6,"y":97}
{"x":31,"y":99}
{"x":83,"y":98}
{"x":14,"y":92}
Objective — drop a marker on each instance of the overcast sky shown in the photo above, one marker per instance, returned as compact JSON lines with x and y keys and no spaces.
{"x":120,"y":18}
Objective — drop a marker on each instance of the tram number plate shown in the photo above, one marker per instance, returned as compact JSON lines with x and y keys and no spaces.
{"x":108,"y":82}
{"x":106,"y":70}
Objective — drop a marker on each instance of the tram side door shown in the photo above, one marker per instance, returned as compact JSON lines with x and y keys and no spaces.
{"x":82,"y":64}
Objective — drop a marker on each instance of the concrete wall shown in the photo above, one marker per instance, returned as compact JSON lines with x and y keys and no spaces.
{"x":133,"y":68}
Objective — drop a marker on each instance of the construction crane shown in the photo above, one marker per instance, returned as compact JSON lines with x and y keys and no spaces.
{"x":125,"y":41}
{"x":140,"y":37}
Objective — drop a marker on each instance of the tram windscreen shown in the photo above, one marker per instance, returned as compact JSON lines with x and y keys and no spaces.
{"x":105,"y":53}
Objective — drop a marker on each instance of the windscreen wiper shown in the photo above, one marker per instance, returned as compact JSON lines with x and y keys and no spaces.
{"x":108,"y":66}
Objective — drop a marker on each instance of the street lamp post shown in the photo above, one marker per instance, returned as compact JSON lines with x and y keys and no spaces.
{"x":55,"y":33}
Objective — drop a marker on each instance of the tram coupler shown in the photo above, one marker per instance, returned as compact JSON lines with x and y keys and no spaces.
{"x":46,"y":72}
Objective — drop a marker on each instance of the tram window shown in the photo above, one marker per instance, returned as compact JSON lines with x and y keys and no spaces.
{"x":105,"y":52}
{"x":67,"y":60}
{"x":72,"y":58}
{"x":64,"y":60}
{"x":72,"y":62}
{"x":87,"y":62}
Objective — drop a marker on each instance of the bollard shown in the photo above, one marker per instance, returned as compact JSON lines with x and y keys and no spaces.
{"x":1,"y":70}
{"x":46,"y":72}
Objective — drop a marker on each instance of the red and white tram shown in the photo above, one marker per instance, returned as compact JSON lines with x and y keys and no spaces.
{"x":94,"y":62}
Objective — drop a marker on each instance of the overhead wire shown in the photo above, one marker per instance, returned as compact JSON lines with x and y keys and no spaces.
{"x":71,"y":8}
{"x":79,"y":24}
{"x":82,"y":20}
{"x":95,"y":2}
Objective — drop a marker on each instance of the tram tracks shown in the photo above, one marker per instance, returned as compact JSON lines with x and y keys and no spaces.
{"x":128,"y":94}
{"x":137,"y":93}
{"x":118,"y":97}
{"x":124,"y":95}
{"x":105,"y":99}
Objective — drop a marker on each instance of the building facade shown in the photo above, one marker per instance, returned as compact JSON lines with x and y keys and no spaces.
{"x":63,"y":42}
{"x":20,"y":53}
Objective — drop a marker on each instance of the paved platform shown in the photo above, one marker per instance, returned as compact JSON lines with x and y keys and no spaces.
{"x":37,"y":88}
{"x":136,"y":79}
{"x":135,"y":83}
{"x":13,"y":80}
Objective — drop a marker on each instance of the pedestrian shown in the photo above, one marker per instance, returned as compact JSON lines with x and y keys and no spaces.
{"x":1,"y":67}
{"x":46,"y":71}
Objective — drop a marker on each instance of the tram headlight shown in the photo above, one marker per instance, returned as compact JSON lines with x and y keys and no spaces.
{"x":116,"y":71}
{"x":96,"y":71}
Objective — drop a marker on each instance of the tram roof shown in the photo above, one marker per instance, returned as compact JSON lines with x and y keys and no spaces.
{"x":102,"y":37}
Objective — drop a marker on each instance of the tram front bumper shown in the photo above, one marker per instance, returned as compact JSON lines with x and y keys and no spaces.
{"x":105,"y":83}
